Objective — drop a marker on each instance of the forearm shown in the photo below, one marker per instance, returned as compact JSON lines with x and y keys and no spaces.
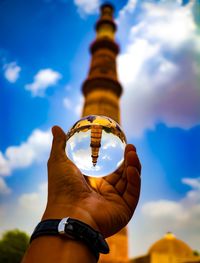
{"x":58,"y":249}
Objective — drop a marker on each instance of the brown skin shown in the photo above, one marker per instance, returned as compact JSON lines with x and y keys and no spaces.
{"x":107,"y":207}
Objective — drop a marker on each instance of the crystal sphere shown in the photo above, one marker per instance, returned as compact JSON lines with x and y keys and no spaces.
{"x":96,"y":145}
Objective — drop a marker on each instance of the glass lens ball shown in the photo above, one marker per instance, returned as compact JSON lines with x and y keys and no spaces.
{"x":96,"y":145}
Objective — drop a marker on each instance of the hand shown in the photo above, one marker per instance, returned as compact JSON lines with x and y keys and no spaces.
{"x":107,"y":204}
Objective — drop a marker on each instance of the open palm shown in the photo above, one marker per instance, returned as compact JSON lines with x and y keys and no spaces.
{"x":107,"y":204}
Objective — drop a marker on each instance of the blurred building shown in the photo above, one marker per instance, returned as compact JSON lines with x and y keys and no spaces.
{"x":101,"y":88}
{"x":169,"y":249}
{"x":102,"y":92}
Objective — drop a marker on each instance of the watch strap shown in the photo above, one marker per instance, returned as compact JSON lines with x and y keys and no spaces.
{"x":74,"y":229}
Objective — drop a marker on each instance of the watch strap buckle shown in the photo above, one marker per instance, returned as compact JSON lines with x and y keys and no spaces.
{"x":61,"y":225}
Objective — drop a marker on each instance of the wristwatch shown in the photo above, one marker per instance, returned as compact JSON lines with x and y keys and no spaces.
{"x":73,"y":229}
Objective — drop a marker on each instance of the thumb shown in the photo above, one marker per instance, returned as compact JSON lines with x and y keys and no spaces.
{"x":58,"y":144}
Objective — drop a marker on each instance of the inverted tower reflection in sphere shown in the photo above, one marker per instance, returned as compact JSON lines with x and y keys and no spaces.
{"x":96,"y":145}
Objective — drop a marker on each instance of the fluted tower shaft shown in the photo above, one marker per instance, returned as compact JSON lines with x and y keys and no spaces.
{"x":96,"y":133}
{"x":102,"y":92}
{"x":101,"y":89}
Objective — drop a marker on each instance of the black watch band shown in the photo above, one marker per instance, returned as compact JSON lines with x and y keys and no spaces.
{"x":73,"y":229}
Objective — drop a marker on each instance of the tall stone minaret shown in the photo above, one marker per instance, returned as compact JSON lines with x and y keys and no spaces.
{"x":101,"y":89}
{"x":102,"y":92}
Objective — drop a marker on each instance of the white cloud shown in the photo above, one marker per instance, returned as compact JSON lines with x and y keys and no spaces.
{"x":79,"y":106}
{"x":87,"y":6}
{"x":154,"y":218}
{"x":158,"y":70}
{"x":165,"y":210}
{"x":179,"y":216}
{"x":82,"y":158}
{"x":36,"y":200}
{"x":36,"y":148}
{"x":44,"y":79}
{"x":73,"y":105}
{"x":4,"y":189}
{"x":78,"y":109}
{"x":4,"y":166}
{"x":194,"y":183}
{"x":193,"y":196}
{"x":173,"y":29}
{"x":112,"y":143}
{"x":181,"y":209}
{"x":26,"y":212}
{"x":139,"y":52}
{"x":11,"y":72}
{"x":67,"y":103}
{"x":128,"y":8}
{"x":106,"y":157}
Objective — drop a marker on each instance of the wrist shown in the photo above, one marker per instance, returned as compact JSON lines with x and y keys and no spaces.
{"x":62,"y":250}
{"x":74,"y":229}
{"x":60,"y":211}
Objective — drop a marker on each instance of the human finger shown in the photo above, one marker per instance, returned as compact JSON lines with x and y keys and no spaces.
{"x":131,"y":159}
{"x":115,"y":177}
{"x":58,"y":144}
{"x":132,"y":191}
{"x":129,"y":147}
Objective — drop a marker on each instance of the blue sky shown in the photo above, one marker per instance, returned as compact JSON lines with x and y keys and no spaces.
{"x":44,"y":59}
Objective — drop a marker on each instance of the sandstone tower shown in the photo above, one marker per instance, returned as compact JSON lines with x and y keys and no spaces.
{"x":102,"y":92}
{"x":101,"y":89}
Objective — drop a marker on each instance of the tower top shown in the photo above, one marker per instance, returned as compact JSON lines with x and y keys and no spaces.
{"x":107,"y":5}
{"x":102,"y":77}
{"x":106,"y":26}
